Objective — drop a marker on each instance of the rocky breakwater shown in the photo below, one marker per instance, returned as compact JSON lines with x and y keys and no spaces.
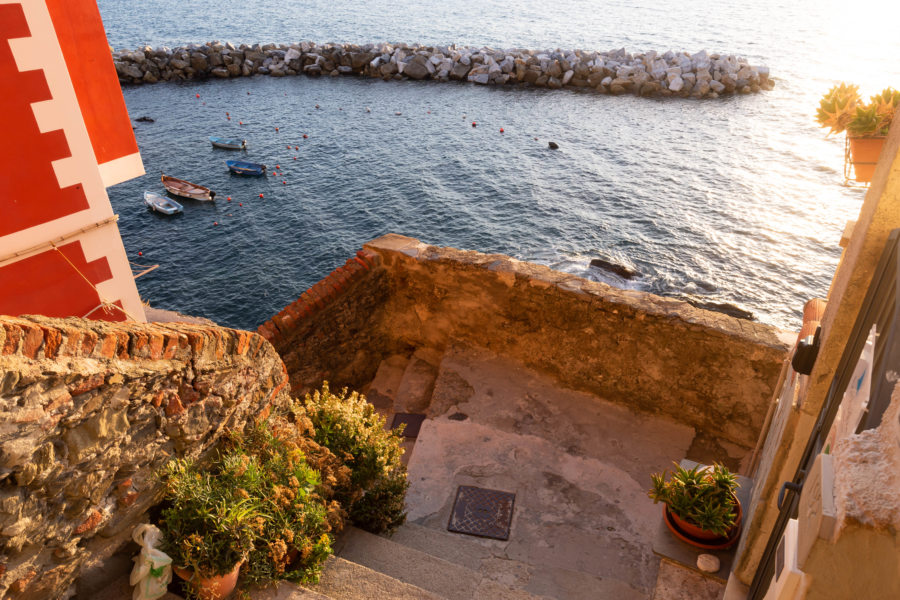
{"x":699,"y":75}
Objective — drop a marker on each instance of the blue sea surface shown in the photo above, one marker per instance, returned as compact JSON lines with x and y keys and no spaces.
{"x":734,"y":200}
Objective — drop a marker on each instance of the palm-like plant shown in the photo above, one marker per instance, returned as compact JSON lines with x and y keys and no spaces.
{"x":701,"y":495}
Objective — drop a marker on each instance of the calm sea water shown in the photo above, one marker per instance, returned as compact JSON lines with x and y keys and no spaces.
{"x":733,"y":200}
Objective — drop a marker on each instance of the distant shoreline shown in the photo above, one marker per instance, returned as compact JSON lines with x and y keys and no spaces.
{"x":649,"y":74}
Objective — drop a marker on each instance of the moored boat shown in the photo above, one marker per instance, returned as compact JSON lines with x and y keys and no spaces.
{"x":227,"y":143}
{"x":161,"y":204}
{"x":186,"y":189}
{"x":242,"y":167}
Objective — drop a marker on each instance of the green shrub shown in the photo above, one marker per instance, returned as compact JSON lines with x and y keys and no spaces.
{"x":349,"y":427}
{"x":295,"y":517}
{"x":207,"y":524}
{"x":702,"y":495}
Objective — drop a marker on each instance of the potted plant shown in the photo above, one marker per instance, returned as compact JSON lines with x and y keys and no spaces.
{"x":208,"y":527}
{"x":701,"y":503}
{"x":866,"y":124}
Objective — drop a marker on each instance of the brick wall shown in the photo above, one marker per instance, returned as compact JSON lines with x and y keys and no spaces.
{"x":89,"y":411}
{"x":331,"y":331}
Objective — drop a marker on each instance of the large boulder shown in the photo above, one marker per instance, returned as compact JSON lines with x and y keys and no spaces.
{"x":416,"y":69}
{"x":459,"y":71}
{"x":199,"y":62}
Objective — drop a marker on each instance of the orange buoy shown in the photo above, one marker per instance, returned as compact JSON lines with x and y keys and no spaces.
{"x":283,"y":182}
{"x":260,"y":195}
{"x":474,"y":124}
{"x":240,"y":203}
{"x":289,"y":146}
{"x":276,"y":129}
{"x":295,"y":147}
{"x":295,"y":158}
{"x":240,"y":122}
{"x":305,"y":136}
{"x":229,"y":118}
{"x":198,"y":95}
{"x":248,"y":92}
{"x":227,"y":113}
{"x":140,"y":253}
{"x":277,"y":166}
{"x":229,"y":198}
{"x":317,"y":106}
{"x":215,"y":222}
{"x":229,"y":214}
{"x":501,"y":130}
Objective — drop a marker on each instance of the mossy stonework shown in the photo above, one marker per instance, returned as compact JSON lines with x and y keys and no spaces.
{"x":90,"y":410}
{"x":653,"y":354}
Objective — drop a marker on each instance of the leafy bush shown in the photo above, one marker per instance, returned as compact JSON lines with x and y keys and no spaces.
{"x":842,"y":109}
{"x":295,"y":517}
{"x":702,"y":495}
{"x":349,"y":427}
{"x":207,"y":523}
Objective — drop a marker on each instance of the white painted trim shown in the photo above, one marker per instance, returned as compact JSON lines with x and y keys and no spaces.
{"x":122,"y":169}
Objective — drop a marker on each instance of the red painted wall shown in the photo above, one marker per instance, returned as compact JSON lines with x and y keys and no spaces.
{"x":83,"y":42}
{"x":29,"y":192}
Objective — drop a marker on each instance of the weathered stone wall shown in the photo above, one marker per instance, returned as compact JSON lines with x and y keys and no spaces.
{"x":657,"y":355}
{"x":331,"y":332}
{"x":698,"y":75}
{"x":89,"y":411}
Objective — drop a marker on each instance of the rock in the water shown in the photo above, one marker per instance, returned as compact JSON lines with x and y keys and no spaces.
{"x":727,"y":309}
{"x":553,"y":145}
{"x":416,"y":69}
{"x":619,"y":270}
{"x":144,"y":119}
{"x":708,"y":563}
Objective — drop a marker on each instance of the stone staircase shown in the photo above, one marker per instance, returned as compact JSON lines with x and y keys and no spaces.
{"x":581,"y":521}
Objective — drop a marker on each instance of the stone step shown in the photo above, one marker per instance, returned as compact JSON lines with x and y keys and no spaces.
{"x":344,"y":579}
{"x":417,"y":384}
{"x":455,"y":579}
{"x":464,"y":550}
{"x":383,"y":389}
{"x":287,"y":591}
{"x":438,"y":576}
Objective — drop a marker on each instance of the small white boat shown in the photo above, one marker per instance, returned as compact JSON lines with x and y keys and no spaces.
{"x":159,"y":203}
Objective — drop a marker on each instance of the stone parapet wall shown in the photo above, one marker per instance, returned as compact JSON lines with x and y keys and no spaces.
{"x":698,"y":75}
{"x":90,"y":410}
{"x":656,"y":355}
{"x":331,"y":331}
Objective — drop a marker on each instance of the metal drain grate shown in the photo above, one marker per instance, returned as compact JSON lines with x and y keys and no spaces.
{"x":482,"y":512}
{"x":412,"y":421}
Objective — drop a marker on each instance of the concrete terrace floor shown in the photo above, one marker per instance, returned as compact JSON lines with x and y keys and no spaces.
{"x":580,"y":467}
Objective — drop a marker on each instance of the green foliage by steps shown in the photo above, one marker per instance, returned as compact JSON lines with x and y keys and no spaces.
{"x":349,"y":426}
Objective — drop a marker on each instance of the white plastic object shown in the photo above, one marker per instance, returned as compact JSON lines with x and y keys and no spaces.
{"x":152,"y":567}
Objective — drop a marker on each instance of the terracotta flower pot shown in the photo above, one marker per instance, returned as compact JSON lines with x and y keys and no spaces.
{"x":864,"y":153}
{"x":217,"y":587}
{"x":699,"y":537}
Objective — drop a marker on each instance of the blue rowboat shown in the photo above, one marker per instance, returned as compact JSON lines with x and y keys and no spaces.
{"x":227,"y":143}
{"x":161,"y":204}
{"x":242,"y":167}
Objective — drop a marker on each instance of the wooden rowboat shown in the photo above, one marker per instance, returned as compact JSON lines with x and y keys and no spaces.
{"x":242,"y":167}
{"x":186,"y":189}
{"x":161,"y":204}
{"x":227,"y":143}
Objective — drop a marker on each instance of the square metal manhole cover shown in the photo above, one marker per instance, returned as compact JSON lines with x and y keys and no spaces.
{"x":482,"y":512}
{"x":412,"y":421}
